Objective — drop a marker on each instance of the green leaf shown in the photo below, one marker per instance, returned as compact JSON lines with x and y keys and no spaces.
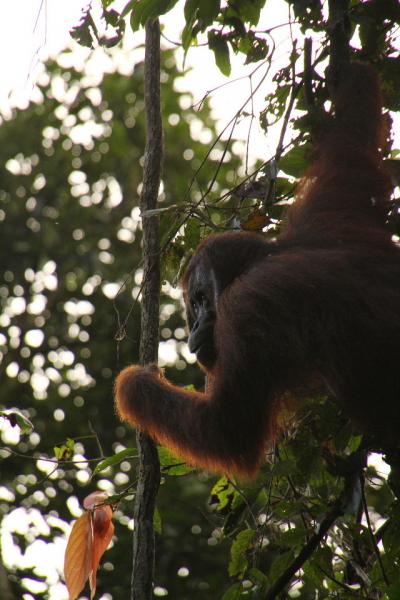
{"x":208,"y":10}
{"x":257,"y":577}
{"x":149,"y":9}
{"x":192,"y":234}
{"x":66,"y":451}
{"x":250,"y":11}
{"x":222,"y":495}
{"x":283,"y":468}
{"x":221,"y":52}
{"x":324,"y":557}
{"x":234,"y":592}
{"x":394,"y":592}
{"x":258,"y":51}
{"x":112,"y":18}
{"x":172,"y":465}
{"x":238,"y":563}
{"x":294,"y":162}
{"x":114,"y":460}
{"x":354,"y":443}
{"x":25,"y":425}
{"x":190,"y":12}
{"x":198,"y":15}
{"x":292,"y":537}
{"x":15,"y":417}
{"x":190,"y":9}
{"x":280,"y":564}
{"x":86,"y":29}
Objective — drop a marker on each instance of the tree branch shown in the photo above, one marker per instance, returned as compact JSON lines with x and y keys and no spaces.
{"x":339,"y":36}
{"x":149,"y":467}
{"x":314,"y":541}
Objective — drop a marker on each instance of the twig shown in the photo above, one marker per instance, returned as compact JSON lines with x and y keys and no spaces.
{"x":231,"y":124}
{"x":97,"y":439}
{"x":340,"y":584}
{"x":61,"y":463}
{"x":279,"y":149}
{"x":371,"y":533}
{"x":293,"y":95}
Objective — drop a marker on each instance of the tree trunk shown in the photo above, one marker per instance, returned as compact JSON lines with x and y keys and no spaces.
{"x":149,"y":467}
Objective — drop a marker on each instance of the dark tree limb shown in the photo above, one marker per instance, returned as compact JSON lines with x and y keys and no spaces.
{"x":339,"y":32}
{"x":280,"y":584}
{"x":308,"y":74}
{"x":149,"y":467}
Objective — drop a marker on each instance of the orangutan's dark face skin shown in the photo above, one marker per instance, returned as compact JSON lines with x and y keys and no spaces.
{"x":201,"y":302}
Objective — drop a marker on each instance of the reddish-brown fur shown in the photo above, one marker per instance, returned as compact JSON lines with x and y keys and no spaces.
{"x":324,"y":299}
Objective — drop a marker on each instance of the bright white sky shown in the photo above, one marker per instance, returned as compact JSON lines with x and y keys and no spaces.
{"x":30,"y":30}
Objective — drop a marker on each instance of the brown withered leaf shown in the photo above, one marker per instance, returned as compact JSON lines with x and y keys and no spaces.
{"x":256,"y":221}
{"x":103,"y":530}
{"x":78,"y":555}
{"x":89,"y":539}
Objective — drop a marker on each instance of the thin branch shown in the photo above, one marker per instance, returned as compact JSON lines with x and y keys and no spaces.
{"x":252,"y":117}
{"x":232,"y":123}
{"x":279,"y":149}
{"x":293,"y":95}
{"x":340,"y":584}
{"x":53,"y":460}
{"x":371,"y":533}
{"x":208,"y":93}
{"x":97,"y":439}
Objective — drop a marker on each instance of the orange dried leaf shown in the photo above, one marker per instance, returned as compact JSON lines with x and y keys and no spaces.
{"x":103,"y":530}
{"x":256,"y":221}
{"x":89,"y":539}
{"x":78,"y":556}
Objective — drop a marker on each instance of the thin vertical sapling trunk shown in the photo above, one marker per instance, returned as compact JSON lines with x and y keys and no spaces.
{"x":149,"y":468}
